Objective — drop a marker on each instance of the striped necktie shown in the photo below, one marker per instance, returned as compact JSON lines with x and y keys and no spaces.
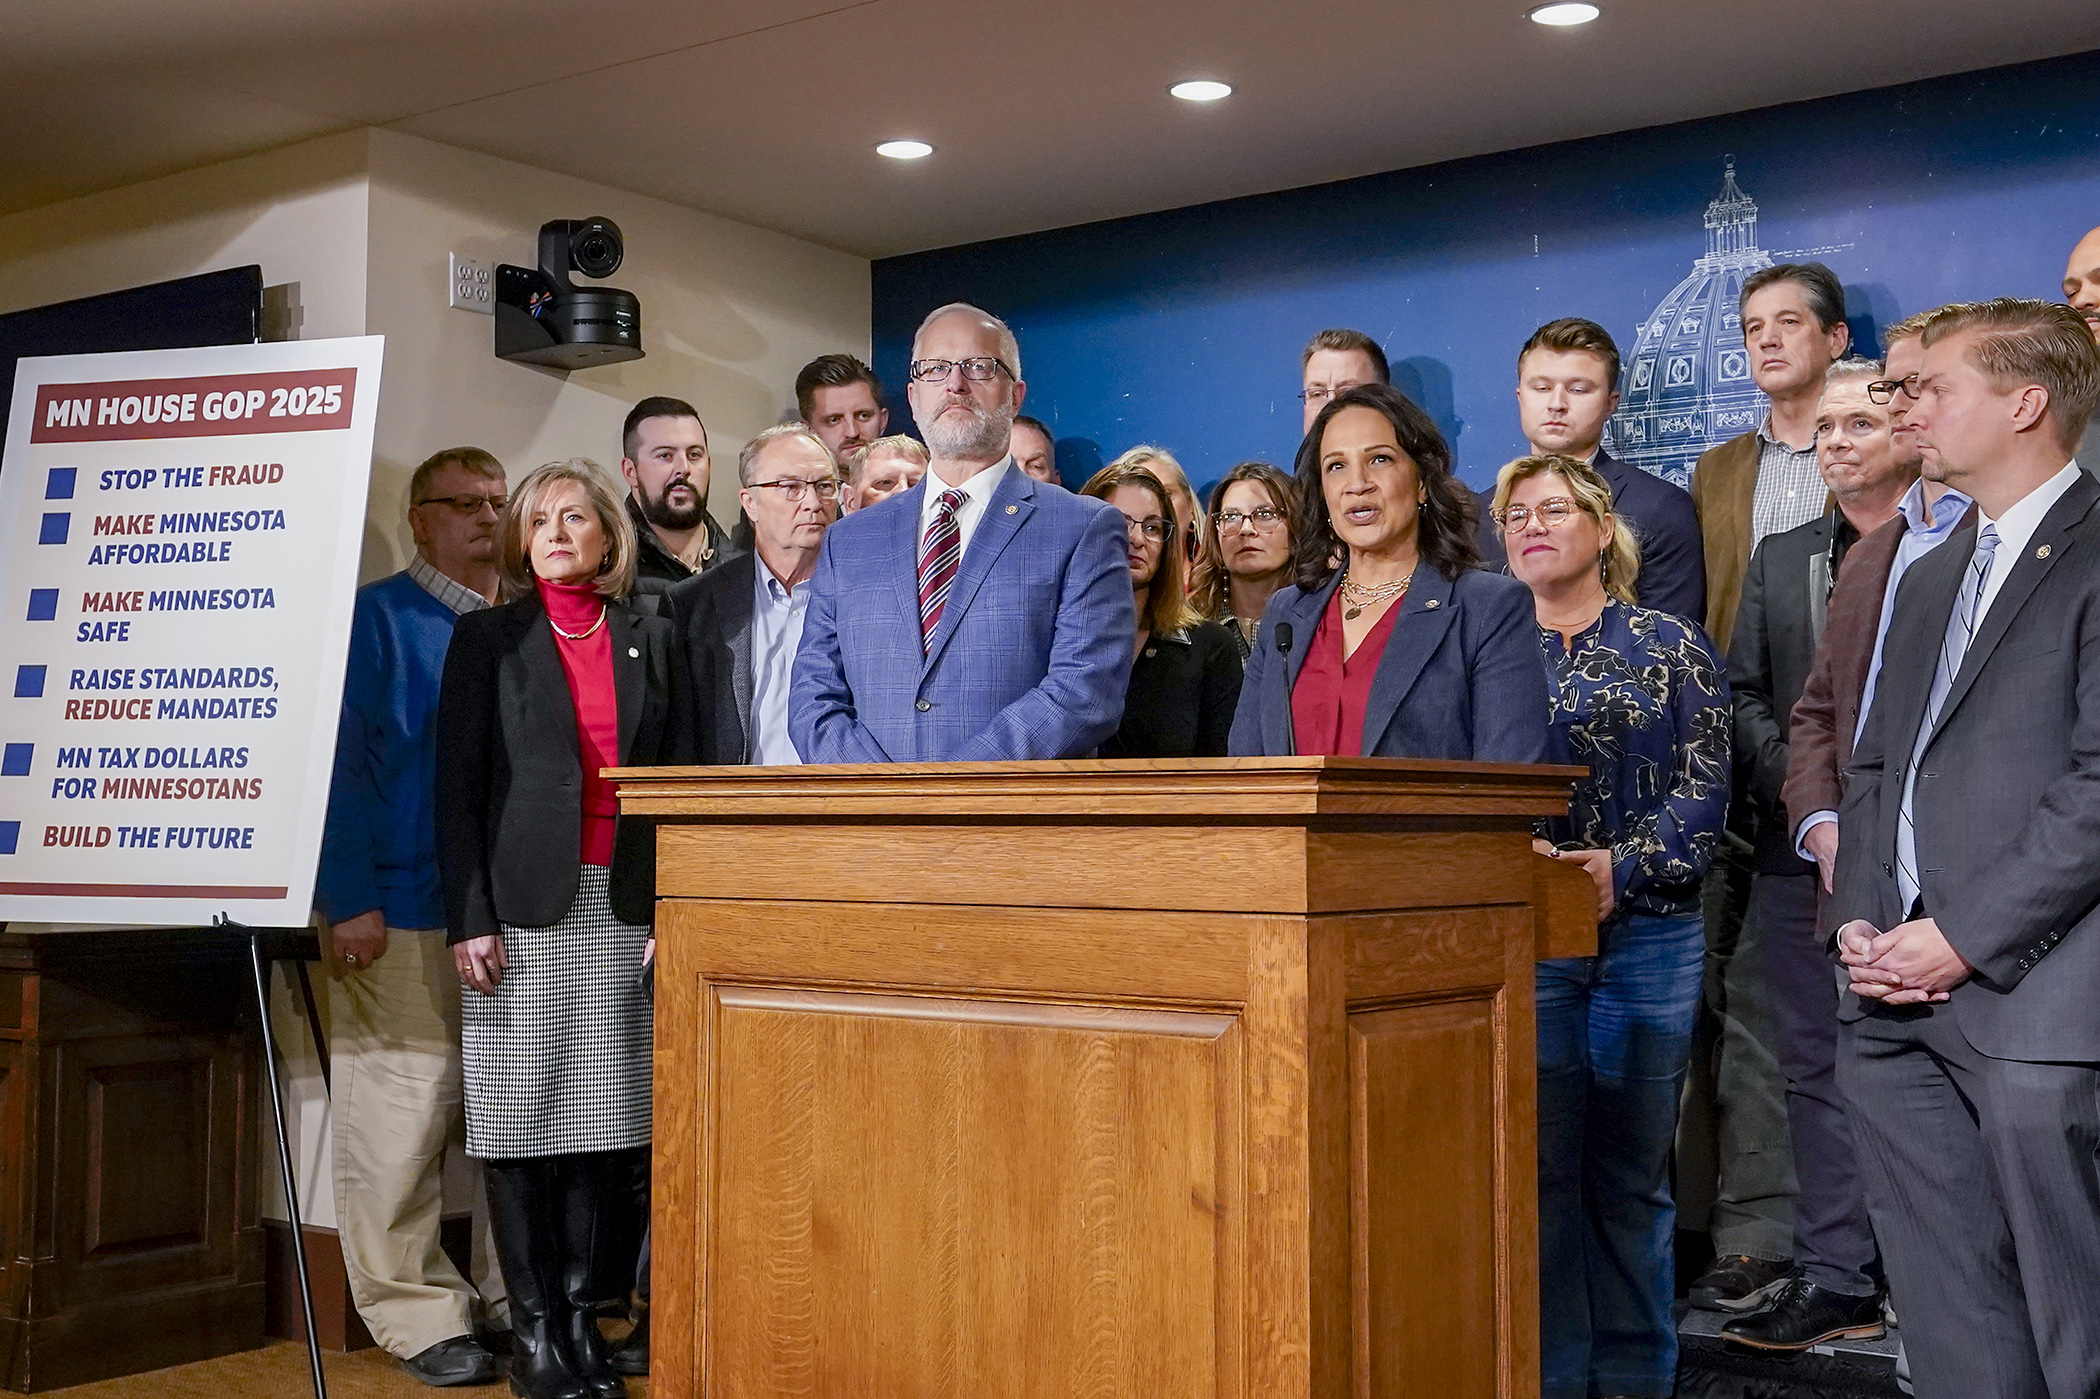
{"x":1961,"y":629}
{"x":939,"y":557}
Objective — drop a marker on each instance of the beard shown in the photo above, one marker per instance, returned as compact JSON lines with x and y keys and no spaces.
{"x":659,"y":511}
{"x":982,"y":433}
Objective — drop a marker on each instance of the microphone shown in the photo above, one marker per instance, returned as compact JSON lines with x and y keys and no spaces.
{"x":1283,"y":638}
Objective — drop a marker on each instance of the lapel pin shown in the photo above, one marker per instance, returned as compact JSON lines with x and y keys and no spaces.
{"x":1432,"y":604}
{"x":633,"y":652}
{"x":2042,"y":553}
{"x":1013,"y":509}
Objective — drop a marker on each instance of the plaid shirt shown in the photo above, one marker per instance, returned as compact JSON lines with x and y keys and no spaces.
{"x":457,"y":596}
{"x":1790,"y":488}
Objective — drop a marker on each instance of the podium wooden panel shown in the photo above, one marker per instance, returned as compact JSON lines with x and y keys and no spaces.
{"x":1099,"y":1078}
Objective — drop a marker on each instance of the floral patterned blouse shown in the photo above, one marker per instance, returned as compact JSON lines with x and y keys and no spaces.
{"x":1642,"y":701}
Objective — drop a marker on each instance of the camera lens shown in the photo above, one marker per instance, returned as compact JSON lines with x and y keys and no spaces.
{"x":596,"y":249}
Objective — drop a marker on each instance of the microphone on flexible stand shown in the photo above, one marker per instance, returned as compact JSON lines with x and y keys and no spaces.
{"x":1283,"y":638}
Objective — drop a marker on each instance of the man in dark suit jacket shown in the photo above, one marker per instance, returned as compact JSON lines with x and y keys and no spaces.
{"x":742,"y":622}
{"x":1971,"y":1048}
{"x":1782,"y":616}
{"x":1566,"y":374}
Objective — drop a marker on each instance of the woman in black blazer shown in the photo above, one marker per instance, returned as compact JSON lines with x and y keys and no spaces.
{"x":1185,"y":679}
{"x":1392,"y":643}
{"x":548,"y":898}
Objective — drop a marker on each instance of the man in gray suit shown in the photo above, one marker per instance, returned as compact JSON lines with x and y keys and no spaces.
{"x":742,"y":622}
{"x":1970,"y":828}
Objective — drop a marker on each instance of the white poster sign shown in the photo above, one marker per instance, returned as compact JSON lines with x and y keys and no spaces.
{"x":179,"y":537}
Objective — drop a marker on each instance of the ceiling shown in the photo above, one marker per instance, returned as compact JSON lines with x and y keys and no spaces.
{"x":1043,"y":114}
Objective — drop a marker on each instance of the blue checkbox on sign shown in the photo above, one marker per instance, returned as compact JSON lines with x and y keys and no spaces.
{"x":29,"y":682}
{"x":43,"y":604}
{"x":14,"y":759}
{"x":56,"y":527}
{"x":59,"y":484}
{"x":10,"y":833}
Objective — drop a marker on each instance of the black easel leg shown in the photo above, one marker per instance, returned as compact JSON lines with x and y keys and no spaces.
{"x":284,"y":1162}
{"x":313,"y":1023}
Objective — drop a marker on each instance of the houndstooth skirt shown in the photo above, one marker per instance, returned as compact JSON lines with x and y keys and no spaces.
{"x":558,"y":1060}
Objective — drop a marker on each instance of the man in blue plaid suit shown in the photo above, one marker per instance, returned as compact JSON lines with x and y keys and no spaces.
{"x":979,"y":616}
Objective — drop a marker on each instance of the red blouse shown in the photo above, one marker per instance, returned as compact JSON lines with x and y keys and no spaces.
{"x":587,"y":663}
{"x":1328,"y":702}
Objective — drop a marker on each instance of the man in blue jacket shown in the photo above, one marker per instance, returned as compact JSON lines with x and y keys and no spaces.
{"x":394,"y":1001}
{"x":979,"y":616}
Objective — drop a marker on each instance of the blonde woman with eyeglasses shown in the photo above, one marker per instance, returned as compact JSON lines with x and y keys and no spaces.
{"x":1641,"y":699}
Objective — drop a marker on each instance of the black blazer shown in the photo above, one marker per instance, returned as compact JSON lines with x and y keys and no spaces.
{"x":1462,"y":676}
{"x":712,"y":613}
{"x":1786,"y":594}
{"x":1666,"y":524}
{"x":2007,"y":802}
{"x":510,"y":771}
{"x":1183,"y":690}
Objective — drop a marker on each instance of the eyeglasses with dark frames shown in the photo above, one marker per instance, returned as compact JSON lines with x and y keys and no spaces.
{"x":1151,"y":527}
{"x":977,"y":370}
{"x":467,"y":504}
{"x":1884,"y":390}
{"x":792,"y":490}
{"x":1263,"y":519}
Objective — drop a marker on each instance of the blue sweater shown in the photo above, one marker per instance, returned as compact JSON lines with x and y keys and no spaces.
{"x":379,"y":849}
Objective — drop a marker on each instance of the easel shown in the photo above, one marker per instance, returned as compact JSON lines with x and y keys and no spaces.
{"x":266,"y":948}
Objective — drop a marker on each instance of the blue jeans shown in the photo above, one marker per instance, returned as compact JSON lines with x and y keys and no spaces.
{"x":1615,"y":1031}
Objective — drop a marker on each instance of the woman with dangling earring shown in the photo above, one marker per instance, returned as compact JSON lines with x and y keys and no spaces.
{"x":1641,"y":699}
{"x":1390,"y":641}
{"x":548,"y":899}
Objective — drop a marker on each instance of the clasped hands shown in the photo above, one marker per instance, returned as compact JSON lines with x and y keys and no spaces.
{"x":1910,"y":964}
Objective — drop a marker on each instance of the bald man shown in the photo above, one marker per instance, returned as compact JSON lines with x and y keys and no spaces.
{"x":2082,"y":290}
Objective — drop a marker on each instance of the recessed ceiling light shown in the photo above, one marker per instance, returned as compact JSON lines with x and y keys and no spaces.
{"x":1201,"y":90}
{"x":1560,"y":16}
{"x":904,"y":150}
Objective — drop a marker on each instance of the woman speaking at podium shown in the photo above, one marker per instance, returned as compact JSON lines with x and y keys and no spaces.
{"x":547,"y":898}
{"x":1392,"y":643}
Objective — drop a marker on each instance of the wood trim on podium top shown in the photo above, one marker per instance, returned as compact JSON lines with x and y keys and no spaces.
{"x":1117,"y":789}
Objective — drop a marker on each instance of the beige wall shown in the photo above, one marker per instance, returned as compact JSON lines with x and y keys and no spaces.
{"x":729,"y":313}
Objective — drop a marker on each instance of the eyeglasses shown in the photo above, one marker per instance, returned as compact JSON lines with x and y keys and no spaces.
{"x":792,"y":491}
{"x":978,"y":370}
{"x":467,"y":504}
{"x":1884,"y":390}
{"x":1320,"y":393}
{"x":1152,"y":527}
{"x":1550,"y":513}
{"x":1264,"y":519}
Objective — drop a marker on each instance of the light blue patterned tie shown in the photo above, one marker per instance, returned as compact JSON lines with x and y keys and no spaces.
{"x":1961,"y":629}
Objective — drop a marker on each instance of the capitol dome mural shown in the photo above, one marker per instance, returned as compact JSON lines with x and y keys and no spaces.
{"x":1686,"y":385}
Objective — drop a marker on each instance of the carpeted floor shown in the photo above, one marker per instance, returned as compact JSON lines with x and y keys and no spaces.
{"x":278,"y":1371}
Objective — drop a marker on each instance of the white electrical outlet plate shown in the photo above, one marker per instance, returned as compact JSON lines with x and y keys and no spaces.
{"x":473,"y":285}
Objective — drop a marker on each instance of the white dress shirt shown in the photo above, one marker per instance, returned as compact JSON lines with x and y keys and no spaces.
{"x":977,"y":492}
{"x":776,"y":634}
{"x":2015,"y":527}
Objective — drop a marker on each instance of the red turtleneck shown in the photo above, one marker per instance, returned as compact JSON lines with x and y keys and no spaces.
{"x":573,"y":608}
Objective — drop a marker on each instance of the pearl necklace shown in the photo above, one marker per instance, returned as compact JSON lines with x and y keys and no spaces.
{"x":579,"y":635}
{"x":1357,"y":596}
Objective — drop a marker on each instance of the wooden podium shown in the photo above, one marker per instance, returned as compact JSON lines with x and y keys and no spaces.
{"x":1100,"y":1078}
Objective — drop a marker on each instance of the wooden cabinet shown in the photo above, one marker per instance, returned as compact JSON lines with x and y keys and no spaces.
{"x":128,"y":1090}
{"x":1097,"y":1078}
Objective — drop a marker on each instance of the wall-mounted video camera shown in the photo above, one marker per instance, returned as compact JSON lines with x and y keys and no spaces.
{"x":544,"y":318}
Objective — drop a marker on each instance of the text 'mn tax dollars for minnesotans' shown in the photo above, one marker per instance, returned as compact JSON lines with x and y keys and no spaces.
{"x":179,"y":539}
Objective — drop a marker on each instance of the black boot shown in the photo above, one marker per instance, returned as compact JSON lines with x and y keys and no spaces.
{"x":525,"y":1220}
{"x":631,"y":1356}
{"x":601,"y":1233}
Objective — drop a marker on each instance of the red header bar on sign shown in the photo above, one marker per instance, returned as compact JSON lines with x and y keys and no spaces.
{"x":222,"y":405}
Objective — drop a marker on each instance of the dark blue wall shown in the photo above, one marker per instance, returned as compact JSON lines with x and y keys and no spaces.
{"x":1183,"y":328}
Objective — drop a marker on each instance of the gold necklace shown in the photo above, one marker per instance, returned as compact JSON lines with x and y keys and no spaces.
{"x":1357,"y":596}
{"x":580,"y":635}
